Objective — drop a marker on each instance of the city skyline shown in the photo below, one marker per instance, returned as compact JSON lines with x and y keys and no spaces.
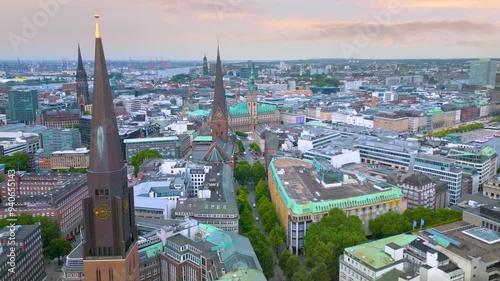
{"x":254,"y":29}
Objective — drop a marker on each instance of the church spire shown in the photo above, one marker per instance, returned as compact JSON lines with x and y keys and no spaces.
{"x":219,"y":110}
{"x":205,"y":65}
{"x":82,"y":87}
{"x":106,"y":154}
{"x":109,"y":217}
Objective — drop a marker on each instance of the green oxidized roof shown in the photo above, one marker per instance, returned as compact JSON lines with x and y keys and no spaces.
{"x":153,"y":250}
{"x":321,"y":207}
{"x":203,"y":138}
{"x":266,"y":108}
{"x":434,"y":111}
{"x":488,"y":151}
{"x":317,"y":123}
{"x":200,"y":112}
{"x":208,"y":228}
{"x":241,"y":109}
{"x":373,"y":253}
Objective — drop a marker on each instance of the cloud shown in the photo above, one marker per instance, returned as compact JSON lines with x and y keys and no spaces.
{"x":405,"y":34}
{"x":202,"y":9}
{"x":462,"y":4}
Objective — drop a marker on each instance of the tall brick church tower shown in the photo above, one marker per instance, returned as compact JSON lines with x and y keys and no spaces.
{"x":82,"y":86}
{"x":110,"y":238}
{"x":220,"y":118}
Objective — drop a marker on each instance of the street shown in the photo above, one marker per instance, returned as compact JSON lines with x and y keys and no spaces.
{"x":52,"y":269}
{"x":250,"y":158}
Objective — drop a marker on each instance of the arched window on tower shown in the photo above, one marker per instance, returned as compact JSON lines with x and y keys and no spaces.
{"x":98,"y":274}
{"x":111,"y":274}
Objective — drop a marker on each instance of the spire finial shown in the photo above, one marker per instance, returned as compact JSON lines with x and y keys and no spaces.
{"x":97,"y":30}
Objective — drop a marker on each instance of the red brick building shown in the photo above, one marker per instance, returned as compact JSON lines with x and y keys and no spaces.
{"x":56,"y":196}
{"x":468,"y":114}
{"x":58,"y":119}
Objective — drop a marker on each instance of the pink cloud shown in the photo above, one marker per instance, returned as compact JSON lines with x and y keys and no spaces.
{"x":466,"y":4}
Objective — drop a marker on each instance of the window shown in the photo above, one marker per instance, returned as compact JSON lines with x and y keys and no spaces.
{"x":98,"y":275}
{"x":110,"y":274}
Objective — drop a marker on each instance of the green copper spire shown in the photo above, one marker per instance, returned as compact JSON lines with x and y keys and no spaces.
{"x":251,"y":83}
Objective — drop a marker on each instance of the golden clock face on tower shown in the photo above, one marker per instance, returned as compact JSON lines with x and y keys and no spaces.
{"x":126,"y":204}
{"x":102,"y":211}
{"x":218,"y":114}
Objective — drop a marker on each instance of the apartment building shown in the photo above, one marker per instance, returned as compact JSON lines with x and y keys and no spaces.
{"x":28,"y":251}
{"x":445,"y":170}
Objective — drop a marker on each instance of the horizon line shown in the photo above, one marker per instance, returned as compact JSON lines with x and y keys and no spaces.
{"x":263,"y":60}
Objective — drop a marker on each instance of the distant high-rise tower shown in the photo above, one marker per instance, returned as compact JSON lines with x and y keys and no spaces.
{"x":82,"y":87}
{"x":23,"y":105}
{"x":110,"y":247}
{"x":205,"y":65}
{"x":252,"y":101}
{"x":220,"y":119}
{"x":483,"y":72}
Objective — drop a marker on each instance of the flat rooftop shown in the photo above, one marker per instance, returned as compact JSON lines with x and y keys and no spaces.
{"x":299,"y":181}
{"x":373,"y":253}
{"x":485,"y":235}
{"x":470,"y":247}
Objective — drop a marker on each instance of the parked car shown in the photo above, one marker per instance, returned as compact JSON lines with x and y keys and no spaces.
{"x":256,"y":218}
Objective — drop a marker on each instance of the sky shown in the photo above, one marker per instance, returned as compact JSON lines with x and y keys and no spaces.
{"x":251,"y":29}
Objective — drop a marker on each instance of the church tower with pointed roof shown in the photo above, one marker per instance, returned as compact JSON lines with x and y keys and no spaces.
{"x":110,"y":247}
{"x":82,"y":86}
{"x":205,"y":65}
{"x":219,"y":116}
{"x":252,"y":101}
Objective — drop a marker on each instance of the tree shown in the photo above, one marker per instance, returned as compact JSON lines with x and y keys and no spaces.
{"x":241,"y":147}
{"x":267,"y":213}
{"x":260,"y":190}
{"x":140,"y":156}
{"x":77,"y":171}
{"x":242,"y":172}
{"x":1,"y":178}
{"x":181,"y":78}
{"x":277,"y":237}
{"x":326,"y":241}
{"x":320,"y":272}
{"x":292,"y":265}
{"x":49,"y":229}
{"x":265,"y":257}
{"x":57,"y":248}
{"x":283,"y":260}
{"x":255,"y":147}
{"x":389,"y":224}
{"x":258,"y":172}
{"x":302,"y":275}
{"x":12,"y":162}
{"x":20,"y":220}
{"x":241,"y":134}
{"x":247,"y":220}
